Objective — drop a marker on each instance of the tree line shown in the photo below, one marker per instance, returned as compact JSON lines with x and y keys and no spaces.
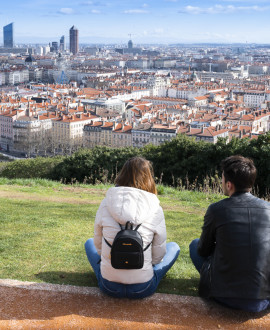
{"x":180,"y":162}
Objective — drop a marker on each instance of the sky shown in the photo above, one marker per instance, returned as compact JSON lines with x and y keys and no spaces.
{"x":147,"y":21}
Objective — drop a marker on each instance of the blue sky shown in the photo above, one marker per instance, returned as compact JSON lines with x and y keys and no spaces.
{"x":148,"y":21}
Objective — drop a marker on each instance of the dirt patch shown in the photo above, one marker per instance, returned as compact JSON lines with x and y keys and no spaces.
{"x":183,"y":209}
{"x":35,"y":197}
{"x":81,"y":189}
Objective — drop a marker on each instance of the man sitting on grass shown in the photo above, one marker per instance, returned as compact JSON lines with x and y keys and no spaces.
{"x":233,"y":252}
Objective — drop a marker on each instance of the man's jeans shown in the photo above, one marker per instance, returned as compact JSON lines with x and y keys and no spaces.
{"x":250,"y":305}
{"x":134,"y":291}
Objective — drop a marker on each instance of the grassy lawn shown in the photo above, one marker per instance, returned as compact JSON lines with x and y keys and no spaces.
{"x":44,"y":226}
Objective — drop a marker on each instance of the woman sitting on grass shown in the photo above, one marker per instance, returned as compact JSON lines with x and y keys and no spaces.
{"x":133,"y":199}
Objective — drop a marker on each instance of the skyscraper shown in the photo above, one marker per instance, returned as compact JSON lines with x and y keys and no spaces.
{"x":55,"y":46}
{"x":74,"y":40}
{"x":130,"y":44}
{"x":62,"y":45}
{"x":8,"y":36}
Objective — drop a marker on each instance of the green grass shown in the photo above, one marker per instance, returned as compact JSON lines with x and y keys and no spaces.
{"x":44,"y":225}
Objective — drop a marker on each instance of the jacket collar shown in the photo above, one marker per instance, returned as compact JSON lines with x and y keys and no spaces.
{"x":239,"y":193}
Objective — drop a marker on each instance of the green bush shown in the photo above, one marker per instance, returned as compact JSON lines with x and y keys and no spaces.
{"x":97,"y":165}
{"x":30,"y":168}
{"x":181,"y":162}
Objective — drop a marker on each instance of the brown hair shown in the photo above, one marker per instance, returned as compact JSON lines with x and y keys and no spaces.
{"x":240,"y":171}
{"x":137,"y":172}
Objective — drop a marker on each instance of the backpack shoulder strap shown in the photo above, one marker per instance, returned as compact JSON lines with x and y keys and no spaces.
{"x":147,"y":246}
{"x":107,"y":242}
{"x":138,"y":227}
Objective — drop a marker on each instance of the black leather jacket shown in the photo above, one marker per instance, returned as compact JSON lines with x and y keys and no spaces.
{"x":236,"y":238}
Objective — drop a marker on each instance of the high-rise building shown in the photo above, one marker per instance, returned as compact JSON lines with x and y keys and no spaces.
{"x":74,"y":40}
{"x":130,"y":44}
{"x":55,"y":46}
{"x":62,"y":45}
{"x":8,"y":36}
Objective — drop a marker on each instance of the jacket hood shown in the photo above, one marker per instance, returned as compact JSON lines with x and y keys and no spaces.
{"x":131,"y":204}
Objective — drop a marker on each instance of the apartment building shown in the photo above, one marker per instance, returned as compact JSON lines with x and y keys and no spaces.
{"x":141,"y":135}
{"x":161,"y":133}
{"x":254,"y":98}
{"x":208,"y":134}
{"x":92,"y":134}
{"x":68,"y":130}
{"x":98,"y":133}
{"x":13,"y":77}
{"x":164,"y":101}
{"x":121,"y":136}
{"x":30,"y":134}
{"x":7,"y":119}
{"x":257,"y":120}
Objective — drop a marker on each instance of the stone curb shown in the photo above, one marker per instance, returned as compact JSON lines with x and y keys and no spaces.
{"x":31,"y":305}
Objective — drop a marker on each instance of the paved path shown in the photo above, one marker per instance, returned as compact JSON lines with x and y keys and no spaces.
{"x":27,"y":305}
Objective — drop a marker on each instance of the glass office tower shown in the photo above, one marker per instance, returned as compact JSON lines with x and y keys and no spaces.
{"x":8,"y":36}
{"x":74,"y":40}
{"x":62,"y":45}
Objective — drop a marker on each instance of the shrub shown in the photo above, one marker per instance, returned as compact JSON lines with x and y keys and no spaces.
{"x":182,"y":162}
{"x":30,"y":168}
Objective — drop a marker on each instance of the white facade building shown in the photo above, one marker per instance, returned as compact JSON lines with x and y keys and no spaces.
{"x":254,"y":98}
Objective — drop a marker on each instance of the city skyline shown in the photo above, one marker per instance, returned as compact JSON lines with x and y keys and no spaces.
{"x":160,"y":21}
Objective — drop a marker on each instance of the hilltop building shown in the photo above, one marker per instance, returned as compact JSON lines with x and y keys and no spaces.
{"x":129,"y":50}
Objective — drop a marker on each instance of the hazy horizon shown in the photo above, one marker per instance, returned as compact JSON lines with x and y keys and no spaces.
{"x":148,"y":22}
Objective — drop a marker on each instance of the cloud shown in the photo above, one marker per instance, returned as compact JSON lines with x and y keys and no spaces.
{"x":136,"y":11}
{"x":66,"y":11}
{"x":153,"y":33}
{"x":145,"y":5}
{"x":246,"y":1}
{"x":92,"y":3}
{"x":94,"y":11}
{"x":87,"y":3}
{"x":219,"y":9}
{"x":215,"y":36}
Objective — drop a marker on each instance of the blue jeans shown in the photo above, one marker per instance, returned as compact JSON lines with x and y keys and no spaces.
{"x":134,"y":291}
{"x":249,"y":305}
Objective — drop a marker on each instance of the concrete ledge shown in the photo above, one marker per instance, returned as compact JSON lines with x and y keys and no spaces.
{"x":29,"y":305}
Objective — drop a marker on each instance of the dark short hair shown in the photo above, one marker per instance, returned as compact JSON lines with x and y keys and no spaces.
{"x":137,"y":172}
{"x":240,"y":171}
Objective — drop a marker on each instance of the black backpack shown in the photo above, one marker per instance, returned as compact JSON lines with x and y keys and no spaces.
{"x":127,"y":248}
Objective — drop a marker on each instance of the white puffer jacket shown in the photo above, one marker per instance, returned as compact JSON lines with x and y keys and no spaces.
{"x":120,"y":205}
